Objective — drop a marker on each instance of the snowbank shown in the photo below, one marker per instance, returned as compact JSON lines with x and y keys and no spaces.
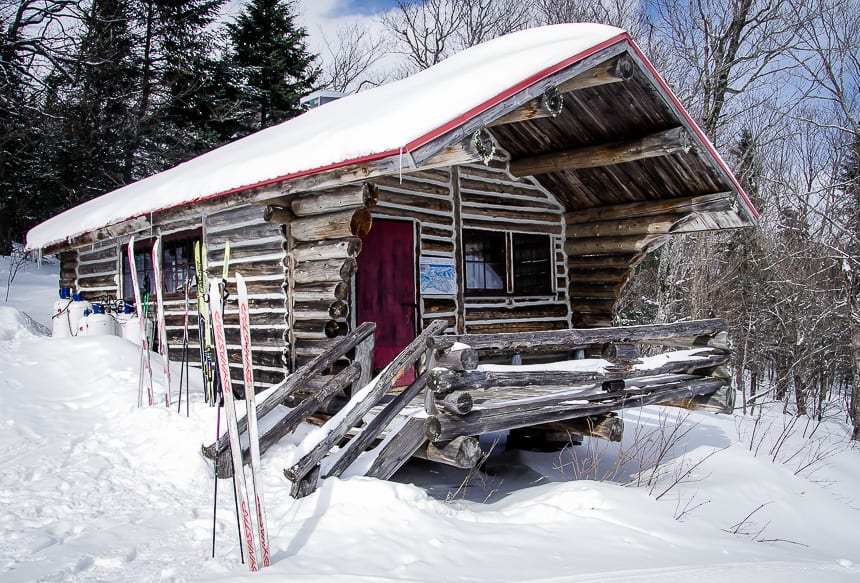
{"x":94,"y":488}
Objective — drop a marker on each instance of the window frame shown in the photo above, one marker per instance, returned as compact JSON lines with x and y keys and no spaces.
{"x":511,"y":287}
{"x":168,"y":243}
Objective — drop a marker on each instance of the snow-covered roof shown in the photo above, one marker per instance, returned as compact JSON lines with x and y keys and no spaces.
{"x":389,"y":120}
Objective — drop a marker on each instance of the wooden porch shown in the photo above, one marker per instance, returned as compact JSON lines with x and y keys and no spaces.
{"x":570,"y":382}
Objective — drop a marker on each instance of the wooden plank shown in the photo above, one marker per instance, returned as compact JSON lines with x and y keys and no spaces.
{"x":396,"y":450}
{"x":336,"y":199}
{"x":336,"y":225}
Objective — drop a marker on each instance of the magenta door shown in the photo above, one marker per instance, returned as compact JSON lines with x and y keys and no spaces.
{"x":385,"y":287}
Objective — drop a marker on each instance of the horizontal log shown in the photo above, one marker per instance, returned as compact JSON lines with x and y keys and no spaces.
{"x":336,"y":225}
{"x":462,"y":452}
{"x":278,"y":214}
{"x":458,"y":403}
{"x":720,"y":341}
{"x":721,"y":401}
{"x":620,"y":68}
{"x":610,"y":245}
{"x":329,"y":249}
{"x":662,"y":143}
{"x":558,"y":340}
{"x":336,"y":199}
{"x":326,"y":270}
{"x":321,"y":310}
{"x":608,"y":427}
{"x":456,"y":358}
{"x":621,"y":261}
{"x":649,"y":225}
{"x":444,"y":426}
{"x":719,"y":201}
{"x":444,"y":381}
{"x":619,"y":352}
{"x":320,"y":292}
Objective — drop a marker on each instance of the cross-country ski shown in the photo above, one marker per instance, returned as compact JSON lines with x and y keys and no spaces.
{"x":251,"y":408}
{"x":159,"y":318}
{"x":145,"y":380}
{"x":216,"y":307}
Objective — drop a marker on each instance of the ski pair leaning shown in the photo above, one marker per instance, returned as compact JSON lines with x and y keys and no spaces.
{"x":216,"y":310}
{"x":141,"y":312}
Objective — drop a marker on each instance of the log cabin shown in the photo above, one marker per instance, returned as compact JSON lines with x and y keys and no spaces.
{"x":510,"y":188}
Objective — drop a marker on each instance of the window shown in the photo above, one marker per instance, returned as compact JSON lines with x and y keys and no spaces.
{"x":177,"y":265}
{"x":485,"y":261}
{"x":499,"y":263}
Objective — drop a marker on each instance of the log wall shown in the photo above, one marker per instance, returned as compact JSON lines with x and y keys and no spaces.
{"x":257,"y":251}
{"x":445,"y":201}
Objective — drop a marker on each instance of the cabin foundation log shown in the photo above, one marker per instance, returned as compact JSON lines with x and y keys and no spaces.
{"x":608,"y":427}
{"x":463,"y":452}
{"x":721,"y":401}
{"x":335,"y":199}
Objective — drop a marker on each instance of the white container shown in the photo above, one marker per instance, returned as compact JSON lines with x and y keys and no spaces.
{"x":97,"y":325}
{"x":62,"y":327}
{"x":76,"y":312}
{"x":131,"y":329}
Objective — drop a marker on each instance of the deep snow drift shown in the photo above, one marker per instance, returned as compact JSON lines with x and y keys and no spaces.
{"x":95,"y":489}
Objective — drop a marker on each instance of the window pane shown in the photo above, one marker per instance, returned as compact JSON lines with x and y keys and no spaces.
{"x":485,"y":260}
{"x":532,"y":264}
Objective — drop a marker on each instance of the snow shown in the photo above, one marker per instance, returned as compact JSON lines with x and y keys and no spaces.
{"x":94,"y":488}
{"x":389,"y":120}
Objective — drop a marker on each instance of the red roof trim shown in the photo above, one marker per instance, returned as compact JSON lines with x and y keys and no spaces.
{"x":477,"y":110}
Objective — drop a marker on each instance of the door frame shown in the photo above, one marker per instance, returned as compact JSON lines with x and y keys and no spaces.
{"x":416,"y":299}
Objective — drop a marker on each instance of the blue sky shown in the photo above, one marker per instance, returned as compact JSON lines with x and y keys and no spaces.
{"x":364,"y":7}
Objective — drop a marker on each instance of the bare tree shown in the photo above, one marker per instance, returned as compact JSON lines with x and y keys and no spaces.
{"x":349,"y":60}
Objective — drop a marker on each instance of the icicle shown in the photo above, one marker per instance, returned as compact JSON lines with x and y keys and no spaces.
{"x":400,"y":160}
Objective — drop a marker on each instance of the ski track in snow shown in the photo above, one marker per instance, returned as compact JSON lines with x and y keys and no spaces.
{"x":93,"y":488}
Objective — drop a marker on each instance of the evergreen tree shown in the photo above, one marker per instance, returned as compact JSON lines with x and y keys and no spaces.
{"x":272,"y":62}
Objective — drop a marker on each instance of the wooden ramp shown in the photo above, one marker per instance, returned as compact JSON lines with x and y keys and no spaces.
{"x":379,"y":429}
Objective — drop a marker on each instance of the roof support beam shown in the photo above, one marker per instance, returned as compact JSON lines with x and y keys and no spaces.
{"x":703,"y":203}
{"x":612,"y":71}
{"x":550,"y":103}
{"x":659,"y":144}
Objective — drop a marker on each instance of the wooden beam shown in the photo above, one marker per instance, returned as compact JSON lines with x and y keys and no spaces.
{"x":547,"y":105}
{"x":396,"y":451}
{"x":620,"y":68}
{"x":610,"y":245}
{"x":327,"y":249}
{"x":658,"y":144}
{"x":278,"y":214}
{"x":341,"y":269}
{"x":608,"y":427}
{"x":650,"y":225}
{"x":443,"y":381}
{"x":721,"y":401}
{"x":714,"y":202}
{"x":515,"y":414}
{"x":554,"y":340}
{"x":297,"y":380}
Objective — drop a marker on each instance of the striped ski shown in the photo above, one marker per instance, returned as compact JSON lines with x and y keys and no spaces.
{"x":159,"y":317}
{"x":146,"y":368}
{"x":216,"y":310}
{"x":251,"y":406}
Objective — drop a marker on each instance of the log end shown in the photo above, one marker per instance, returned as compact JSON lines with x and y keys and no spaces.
{"x":361,"y":222}
{"x":432,"y":428}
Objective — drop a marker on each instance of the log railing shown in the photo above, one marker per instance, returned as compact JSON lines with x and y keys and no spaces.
{"x":297,"y":381}
{"x":464,"y":401}
{"x":305,"y":472}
